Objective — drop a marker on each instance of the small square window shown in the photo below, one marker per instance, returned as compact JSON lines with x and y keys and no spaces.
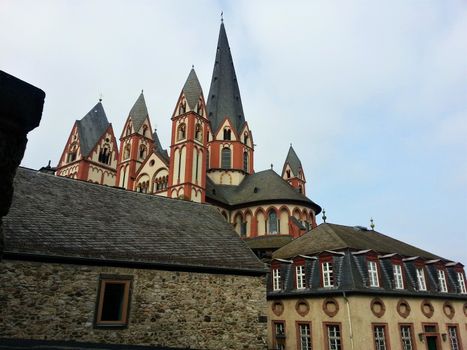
{"x":113,"y":301}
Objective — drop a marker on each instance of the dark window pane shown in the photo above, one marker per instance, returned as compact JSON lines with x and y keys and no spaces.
{"x":113,"y":302}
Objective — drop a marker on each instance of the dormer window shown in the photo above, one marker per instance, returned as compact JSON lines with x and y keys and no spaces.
{"x":443,"y":287}
{"x":181,"y":132}
{"x":461,"y":282}
{"x":227,"y":134}
{"x":328,"y":278}
{"x":276,"y":279}
{"x":300,"y":276}
{"x":398,"y":279}
{"x":373,"y":274}
{"x":421,"y":284}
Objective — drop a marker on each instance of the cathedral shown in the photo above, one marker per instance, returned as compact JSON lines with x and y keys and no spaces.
{"x":210,"y":158}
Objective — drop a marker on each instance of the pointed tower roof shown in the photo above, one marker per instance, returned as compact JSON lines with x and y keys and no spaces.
{"x":224,"y":95}
{"x":293,"y":161}
{"x":139,"y":112}
{"x":91,"y":127}
{"x":192,"y":89}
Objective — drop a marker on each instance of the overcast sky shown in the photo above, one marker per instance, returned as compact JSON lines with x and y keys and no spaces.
{"x":372,"y":94}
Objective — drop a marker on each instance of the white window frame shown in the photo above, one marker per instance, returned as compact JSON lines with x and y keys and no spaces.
{"x":406,"y":337}
{"x":305,"y":336}
{"x":300,"y":276}
{"x":379,"y":336}
{"x":334,"y":337}
{"x":421,"y":283}
{"x":461,"y":282}
{"x":443,"y":287}
{"x":453,"y":338}
{"x":276,"y":279}
{"x":373,"y":274}
{"x":398,"y":277}
{"x":327,"y":274}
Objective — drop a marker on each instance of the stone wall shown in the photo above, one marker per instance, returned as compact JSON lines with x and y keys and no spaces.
{"x":176,"y":309}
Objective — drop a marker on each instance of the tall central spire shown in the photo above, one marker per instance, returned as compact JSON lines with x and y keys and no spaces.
{"x":224,"y":99}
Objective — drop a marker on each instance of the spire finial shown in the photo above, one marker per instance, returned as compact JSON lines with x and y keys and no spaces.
{"x":291,"y":144}
{"x":272,"y":166}
{"x":372,"y":224}
{"x":142,"y":90}
{"x":324,"y":216}
{"x":100,"y":97}
{"x":222,"y":16}
{"x":192,"y":66}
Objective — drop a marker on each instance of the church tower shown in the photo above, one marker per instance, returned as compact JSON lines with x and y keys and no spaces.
{"x":135,"y":143}
{"x":187,"y":175}
{"x":230,"y":142}
{"x":292,"y":171}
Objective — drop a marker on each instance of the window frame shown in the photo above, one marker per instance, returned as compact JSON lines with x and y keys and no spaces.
{"x":298,"y":325}
{"x":386,"y":339}
{"x":442,"y":282}
{"x":459,"y":339}
{"x":461,"y":278}
{"x":329,"y":272}
{"x":396,"y":275}
{"x":275,"y":323}
{"x":226,"y":150}
{"x":276,"y":278}
{"x":413,"y":342}
{"x":421,"y":277}
{"x":326,"y":326}
{"x":373,"y":273}
{"x":127,"y":281}
{"x":300,"y":276}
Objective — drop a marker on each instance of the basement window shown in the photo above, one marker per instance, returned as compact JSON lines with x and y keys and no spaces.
{"x":113,"y":301}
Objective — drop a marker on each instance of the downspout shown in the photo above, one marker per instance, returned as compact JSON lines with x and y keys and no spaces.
{"x":350,"y":320}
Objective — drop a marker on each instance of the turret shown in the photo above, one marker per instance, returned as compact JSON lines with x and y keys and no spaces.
{"x":292,"y":171}
{"x":188,"y":151}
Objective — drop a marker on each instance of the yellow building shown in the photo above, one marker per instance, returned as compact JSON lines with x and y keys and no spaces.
{"x":340,"y":287}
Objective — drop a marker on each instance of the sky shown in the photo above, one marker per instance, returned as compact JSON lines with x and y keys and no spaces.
{"x":372,"y":94}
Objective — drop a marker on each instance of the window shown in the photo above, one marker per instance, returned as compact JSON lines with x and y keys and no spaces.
{"x":145,"y":130}
{"x":421,"y":279}
{"x":126,"y":152}
{"x":113,"y":301}
{"x":300,"y":276}
{"x":398,"y":279}
{"x":272,"y":221}
{"x":181,"y":133}
{"x":304,"y":332}
{"x":71,"y":156}
{"x":442,"y":281}
{"x":243,"y":229}
{"x":104,"y":155}
{"x":453,"y":338}
{"x":245,"y":162}
{"x":182,"y":108}
{"x":198,"y":133}
{"x":333,"y":333}
{"x":276,"y":279}
{"x":461,"y":281}
{"x":279,"y":335}
{"x":227,"y":134}
{"x":245,"y":138}
{"x":379,"y":334}
{"x":226,"y":158}
{"x":142,"y":152}
{"x":406,"y":337}
{"x":327,"y":274}
{"x":373,"y":274}
{"x":288,"y":173}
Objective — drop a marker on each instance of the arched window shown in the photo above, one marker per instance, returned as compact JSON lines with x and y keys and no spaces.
{"x":300,"y":189}
{"x":245,"y":162}
{"x":272,"y":222}
{"x":199,"y":107}
{"x":142,"y":152}
{"x":71,"y":156}
{"x":288,"y":173}
{"x":207,"y":159}
{"x":126,"y":152}
{"x":128,"y":130}
{"x":226,"y":158}
{"x":198,"y":132}
{"x":182,"y":108}
{"x":227,"y":134}
{"x":104,"y":154}
{"x":181,"y":133}
{"x":245,"y":138}
{"x":145,"y":130}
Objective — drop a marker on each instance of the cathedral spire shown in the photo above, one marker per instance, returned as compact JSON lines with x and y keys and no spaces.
{"x":224,"y":95}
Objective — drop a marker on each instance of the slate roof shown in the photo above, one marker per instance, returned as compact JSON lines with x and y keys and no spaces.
{"x":336,"y":237}
{"x":268,"y":241}
{"x":159,"y":149}
{"x":91,"y":127}
{"x":192,"y":89}
{"x":263,"y":186}
{"x":139,"y":112}
{"x":293,"y":161}
{"x":68,"y":218}
{"x":347,"y":247}
{"x":224,"y":94}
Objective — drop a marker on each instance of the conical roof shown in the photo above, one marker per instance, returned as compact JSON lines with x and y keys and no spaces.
{"x":293,"y":161}
{"x":192,"y":89}
{"x":139,"y":112}
{"x":224,"y":95}
{"x":91,"y":127}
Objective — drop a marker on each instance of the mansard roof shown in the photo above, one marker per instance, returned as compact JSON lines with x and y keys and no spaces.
{"x":91,"y":127}
{"x":80,"y":222}
{"x":336,"y":237}
{"x":293,"y":161}
{"x":192,"y":89}
{"x":139,"y":112}
{"x":264,"y":186}
{"x":224,"y":94}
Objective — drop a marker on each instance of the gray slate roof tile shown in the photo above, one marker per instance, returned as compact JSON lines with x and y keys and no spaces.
{"x":91,"y":127}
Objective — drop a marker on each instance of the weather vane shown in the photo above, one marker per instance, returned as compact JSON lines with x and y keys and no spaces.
{"x":222,"y":16}
{"x":100,"y":97}
{"x":324,"y":216}
{"x":372,"y":224}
